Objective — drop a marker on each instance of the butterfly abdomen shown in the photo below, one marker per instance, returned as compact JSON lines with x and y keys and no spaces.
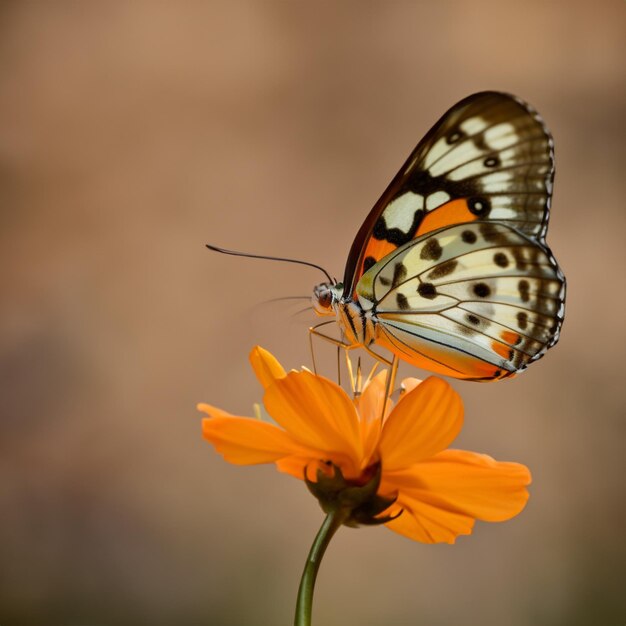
{"x":357,"y":320}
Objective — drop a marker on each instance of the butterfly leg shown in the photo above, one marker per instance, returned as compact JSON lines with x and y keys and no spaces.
{"x":339,"y":364}
{"x":391,"y":382}
{"x":393,"y":371}
{"x":392,"y":364}
{"x":378,"y":357}
{"x":313,"y":331}
{"x":340,"y":345}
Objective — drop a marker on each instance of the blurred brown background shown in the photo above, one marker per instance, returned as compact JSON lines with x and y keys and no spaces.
{"x":133,"y":133}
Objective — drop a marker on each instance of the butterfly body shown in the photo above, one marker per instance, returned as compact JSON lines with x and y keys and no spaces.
{"x":450,"y":270}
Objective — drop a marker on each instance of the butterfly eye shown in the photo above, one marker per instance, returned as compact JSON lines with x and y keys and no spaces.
{"x":323,"y":298}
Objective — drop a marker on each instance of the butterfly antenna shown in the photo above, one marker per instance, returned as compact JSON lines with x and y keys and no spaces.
{"x":270,"y":258}
{"x":287,"y":298}
{"x":301,"y":311}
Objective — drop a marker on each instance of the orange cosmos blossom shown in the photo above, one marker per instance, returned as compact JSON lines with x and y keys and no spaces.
{"x":428,"y":492}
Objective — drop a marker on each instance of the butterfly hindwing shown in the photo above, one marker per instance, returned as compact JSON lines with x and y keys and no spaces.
{"x":489,"y":158}
{"x":478,"y":300}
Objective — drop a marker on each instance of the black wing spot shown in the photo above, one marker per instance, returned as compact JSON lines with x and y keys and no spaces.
{"x":443,"y":269}
{"x":524,"y":289}
{"x":384,"y":281}
{"x":399,"y":274}
{"x":500,"y":259}
{"x":468,"y":236}
{"x":380,"y":229}
{"x":402,"y":302}
{"x":492,"y":234}
{"x":472,"y":319}
{"x":394,"y":235}
{"x":482,"y":290}
{"x":368,"y":263}
{"x":520,"y":262}
{"x":427,"y":290}
{"x":479,"y":206}
{"x":492,"y":161}
{"x":431,"y":251}
{"x":455,"y":136}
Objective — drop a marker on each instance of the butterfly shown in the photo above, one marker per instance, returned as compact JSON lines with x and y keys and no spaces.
{"x":450,"y":270}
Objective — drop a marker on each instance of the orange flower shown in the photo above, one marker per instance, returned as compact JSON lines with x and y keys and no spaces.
{"x":417,"y":486}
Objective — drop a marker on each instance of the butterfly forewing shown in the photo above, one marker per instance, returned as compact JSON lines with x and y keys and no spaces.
{"x":489,"y":158}
{"x":478,"y":300}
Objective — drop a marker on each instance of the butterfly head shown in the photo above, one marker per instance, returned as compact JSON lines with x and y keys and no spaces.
{"x":326,"y":296}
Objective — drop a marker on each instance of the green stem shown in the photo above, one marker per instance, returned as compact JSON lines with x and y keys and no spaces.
{"x":333,"y":521}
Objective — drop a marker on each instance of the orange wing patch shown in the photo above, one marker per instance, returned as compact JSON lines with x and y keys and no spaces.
{"x":501,"y":349}
{"x":374,"y":252}
{"x":448,"y":214}
{"x":510,"y":337}
{"x":443,"y":360}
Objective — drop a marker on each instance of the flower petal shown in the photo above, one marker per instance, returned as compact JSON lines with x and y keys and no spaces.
{"x":425,"y":421}
{"x":246,"y":441}
{"x":265,"y":366}
{"x":408,"y":384}
{"x":293,"y":465}
{"x":428,"y":523}
{"x":297,"y":466}
{"x":370,"y":403}
{"x":318,"y":414}
{"x":212,"y":411}
{"x":445,"y":493}
{"x":370,"y":408}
